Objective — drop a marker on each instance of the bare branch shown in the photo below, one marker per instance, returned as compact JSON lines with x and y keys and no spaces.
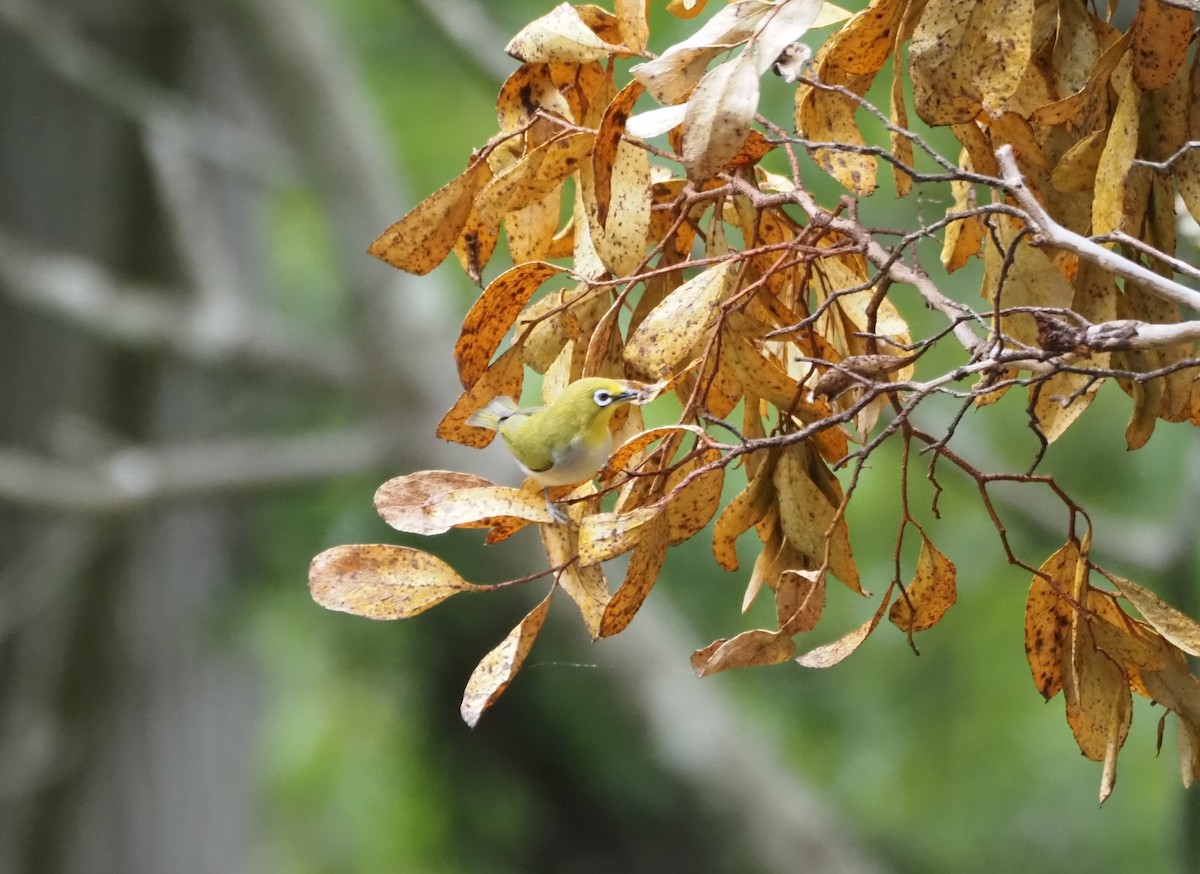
{"x":86,"y":295}
{"x":89,"y":68}
{"x":132,"y":478}
{"x":1055,"y":234}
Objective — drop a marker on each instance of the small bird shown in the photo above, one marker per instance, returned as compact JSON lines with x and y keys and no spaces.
{"x":566,"y":442}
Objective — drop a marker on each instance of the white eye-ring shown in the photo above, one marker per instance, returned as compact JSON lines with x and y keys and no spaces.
{"x":603,"y":397}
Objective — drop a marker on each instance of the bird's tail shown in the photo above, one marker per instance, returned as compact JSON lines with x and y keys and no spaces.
{"x":493,"y":415}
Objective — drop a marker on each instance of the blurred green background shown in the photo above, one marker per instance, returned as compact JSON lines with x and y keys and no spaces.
{"x":205,"y":378}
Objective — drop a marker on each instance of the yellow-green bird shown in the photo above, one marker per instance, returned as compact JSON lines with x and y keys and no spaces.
{"x":566,"y":442}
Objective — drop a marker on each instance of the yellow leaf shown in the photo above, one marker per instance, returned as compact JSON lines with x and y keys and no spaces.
{"x":493,"y":314}
{"x":930,"y":594}
{"x":829,"y":117}
{"x":832,"y":653}
{"x":1187,"y":170}
{"x":1097,"y":696}
{"x":381,"y":581}
{"x":422,"y":239}
{"x":585,"y":584}
{"x":718,"y":117}
{"x":1118,"y":729}
{"x":530,"y":229}
{"x":1161,"y":35}
{"x":537,"y":174}
{"x":696,"y":503}
{"x":964,"y":237}
{"x":559,"y":36}
{"x":968,"y":56}
{"x":587,"y":262}
{"x":1076,"y":169}
{"x":799,"y":600}
{"x":1112,"y":209}
{"x":503,"y":378}
{"x":756,"y":647}
{"x":743,"y":513}
{"x":606,"y":535}
{"x":1177,"y":627}
{"x":475,"y":245}
{"x":1076,"y":47}
{"x":608,"y":138}
{"x":644,"y":565}
{"x":552,"y":328}
{"x":806,"y":514}
{"x":1031,"y":280}
{"x":864,"y":43}
{"x":902,"y":146}
{"x":635,"y":29}
{"x":1047,"y":618}
{"x":498,"y":668}
{"x":626,"y":452}
{"x":664,"y":339}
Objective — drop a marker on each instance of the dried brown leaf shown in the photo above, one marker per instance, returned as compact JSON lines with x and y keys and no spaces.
{"x":381,"y":581}
{"x":644,"y":564}
{"x":931,"y":593}
{"x":490,"y":318}
{"x":560,"y":36}
{"x":422,"y":239}
{"x":498,"y":668}
{"x":832,"y":653}
{"x":718,"y":117}
{"x":664,"y":339}
{"x":1179,"y":628}
{"x":759,"y":646}
{"x":1048,"y":618}
{"x":503,"y":378}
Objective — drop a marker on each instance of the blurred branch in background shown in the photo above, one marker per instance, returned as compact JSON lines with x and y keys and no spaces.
{"x":132,"y":281}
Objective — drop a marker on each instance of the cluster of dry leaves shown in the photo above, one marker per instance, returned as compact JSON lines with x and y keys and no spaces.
{"x":649,"y":242}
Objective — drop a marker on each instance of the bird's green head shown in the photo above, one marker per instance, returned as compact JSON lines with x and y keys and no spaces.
{"x":582,"y":412}
{"x":595,"y":396}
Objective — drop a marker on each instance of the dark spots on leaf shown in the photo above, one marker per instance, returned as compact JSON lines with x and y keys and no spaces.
{"x":526,"y":97}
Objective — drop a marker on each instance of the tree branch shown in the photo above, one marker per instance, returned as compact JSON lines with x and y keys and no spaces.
{"x":81,"y":63}
{"x":135,"y":477}
{"x":84,"y":294}
{"x":1055,"y":234}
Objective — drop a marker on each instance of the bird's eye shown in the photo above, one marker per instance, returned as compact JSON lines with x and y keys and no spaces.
{"x":603,"y":397}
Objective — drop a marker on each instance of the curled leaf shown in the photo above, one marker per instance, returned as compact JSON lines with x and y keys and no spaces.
{"x":559,"y":36}
{"x":498,"y":668}
{"x":718,"y":117}
{"x":1177,"y":627}
{"x":930,"y":594}
{"x":759,"y":646}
